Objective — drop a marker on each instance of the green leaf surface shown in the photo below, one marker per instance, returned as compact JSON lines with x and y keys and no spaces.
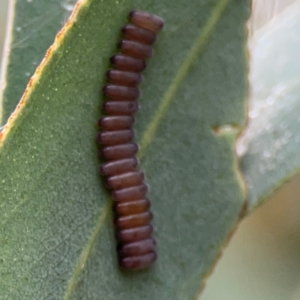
{"x":32,"y":28}
{"x":270,"y":145}
{"x":56,"y":228}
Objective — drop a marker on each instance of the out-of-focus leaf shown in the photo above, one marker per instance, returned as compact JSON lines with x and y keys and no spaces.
{"x":33,"y":26}
{"x":56,"y":231}
{"x":270,"y":146}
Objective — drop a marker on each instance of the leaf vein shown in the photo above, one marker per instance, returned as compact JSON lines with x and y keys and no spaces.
{"x":186,"y":65}
{"x":81,"y":263}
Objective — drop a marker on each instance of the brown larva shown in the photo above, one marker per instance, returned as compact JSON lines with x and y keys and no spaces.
{"x":136,"y":247}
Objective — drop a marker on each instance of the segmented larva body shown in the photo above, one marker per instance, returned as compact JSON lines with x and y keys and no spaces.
{"x":136,"y":247}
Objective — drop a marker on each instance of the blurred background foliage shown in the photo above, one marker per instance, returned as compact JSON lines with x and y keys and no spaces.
{"x":3,"y":15}
{"x":262,"y":261}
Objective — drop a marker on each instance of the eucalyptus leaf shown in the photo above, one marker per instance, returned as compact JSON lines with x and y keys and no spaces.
{"x":56,"y":225}
{"x":270,"y":146}
{"x":33,"y":26}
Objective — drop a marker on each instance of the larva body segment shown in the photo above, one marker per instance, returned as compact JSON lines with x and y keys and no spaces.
{"x":136,"y":246}
{"x":125,"y":180}
{"x":131,"y":221}
{"x":131,"y":193}
{"x":138,"y":262}
{"x":146,"y":20}
{"x":116,"y":122}
{"x":133,"y":33}
{"x":135,"y":49}
{"x":119,"y":92}
{"x":135,"y":234}
{"x":127,"y":63}
{"x":124,"y":78}
{"x":120,"y":108}
{"x":119,"y":151}
{"x":119,"y":166}
{"x":110,"y":138}
{"x":136,"y":207}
